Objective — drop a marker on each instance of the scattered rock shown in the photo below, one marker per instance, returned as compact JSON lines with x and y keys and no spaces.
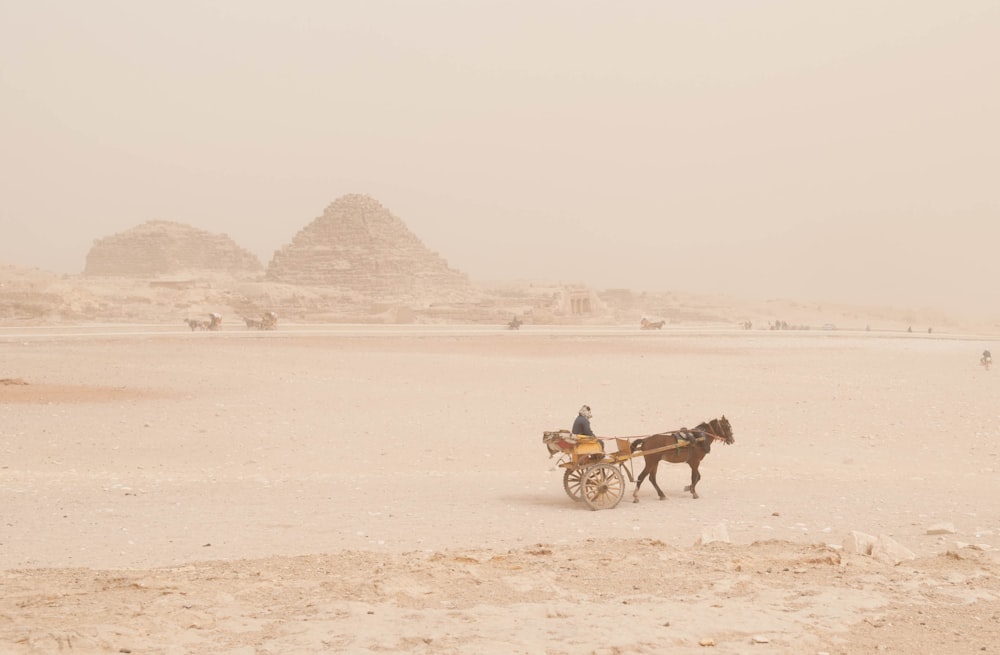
{"x":859,"y":542}
{"x":883,"y":548}
{"x":963,"y":544}
{"x":890,"y":551}
{"x":714,"y":533}
{"x":941,"y":528}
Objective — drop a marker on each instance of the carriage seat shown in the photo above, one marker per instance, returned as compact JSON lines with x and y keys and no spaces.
{"x":564,"y":441}
{"x":588,"y":445}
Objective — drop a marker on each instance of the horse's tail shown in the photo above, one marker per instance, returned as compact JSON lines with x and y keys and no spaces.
{"x":636,"y":445}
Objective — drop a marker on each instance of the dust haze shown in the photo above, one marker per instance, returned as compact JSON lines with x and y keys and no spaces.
{"x":831,"y":151}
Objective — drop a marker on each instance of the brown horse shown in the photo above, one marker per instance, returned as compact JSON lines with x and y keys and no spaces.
{"x":679,"y":446}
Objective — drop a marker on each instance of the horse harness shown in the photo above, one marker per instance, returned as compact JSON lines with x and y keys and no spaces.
{"x":688,"y":436}
{"x":684,"y":439}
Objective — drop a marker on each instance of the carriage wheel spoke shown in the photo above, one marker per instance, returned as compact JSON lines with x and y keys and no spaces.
{"x":603,"y":486}
{"x":572,"y":481}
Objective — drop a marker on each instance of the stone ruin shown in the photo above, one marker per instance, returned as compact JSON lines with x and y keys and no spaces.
{"x":164,"y":248}
{"x":358,"y":244}
{"x":356,"y":262}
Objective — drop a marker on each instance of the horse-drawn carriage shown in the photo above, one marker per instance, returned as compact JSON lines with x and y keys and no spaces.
{"x":598,"y":478}
{"x":267,"y":321}
{"x":213,"y":323}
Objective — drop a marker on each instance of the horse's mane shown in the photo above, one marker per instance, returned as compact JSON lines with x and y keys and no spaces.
{"x":718,"y":428}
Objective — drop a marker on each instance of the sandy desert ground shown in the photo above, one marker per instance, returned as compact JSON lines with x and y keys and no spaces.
{"x":386,"y":490}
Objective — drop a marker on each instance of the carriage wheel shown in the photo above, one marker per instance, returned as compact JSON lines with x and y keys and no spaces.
{"x":572,"y":479}
{"x":603,"y":486}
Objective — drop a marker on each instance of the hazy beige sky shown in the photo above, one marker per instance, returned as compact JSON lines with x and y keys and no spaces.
{"x":839,"y":151}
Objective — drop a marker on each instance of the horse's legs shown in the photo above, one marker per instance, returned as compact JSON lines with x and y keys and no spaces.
{"x":652,"y":463}
{"x":695,"y":476}
{"x":652,"y":481}
{"x":638,"y":483}
{"x":650,"y":470}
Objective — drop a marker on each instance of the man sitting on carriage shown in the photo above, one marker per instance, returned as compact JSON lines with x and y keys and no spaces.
{"x":581,"y":424}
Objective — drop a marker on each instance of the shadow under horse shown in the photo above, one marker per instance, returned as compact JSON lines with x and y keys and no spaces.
{"x":678,"y":447}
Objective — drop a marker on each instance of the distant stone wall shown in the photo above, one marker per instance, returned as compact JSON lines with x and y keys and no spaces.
{"x":163,"y":248}
{"x":359,"y":245}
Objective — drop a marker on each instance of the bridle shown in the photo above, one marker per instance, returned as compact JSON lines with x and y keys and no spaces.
{"x":714,"y":436}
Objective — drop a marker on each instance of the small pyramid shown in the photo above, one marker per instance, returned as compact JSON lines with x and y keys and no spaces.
{"x":359,"y":245}
{"x":163,"y":248}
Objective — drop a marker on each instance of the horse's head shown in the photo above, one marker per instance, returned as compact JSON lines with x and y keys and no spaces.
{"x":718,"y":428}
{"x":722,"y":429}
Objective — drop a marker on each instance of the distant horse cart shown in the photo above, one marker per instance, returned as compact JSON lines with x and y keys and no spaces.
{"x":598,"y":478}
{"x":267,"y":321}
{"x":213,"y":323}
